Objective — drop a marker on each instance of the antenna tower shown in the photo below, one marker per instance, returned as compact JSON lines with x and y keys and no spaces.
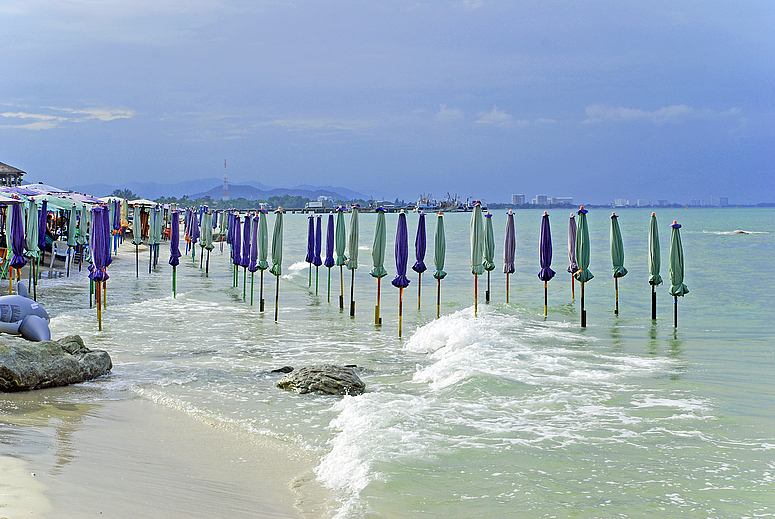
{"x":225,"y":182}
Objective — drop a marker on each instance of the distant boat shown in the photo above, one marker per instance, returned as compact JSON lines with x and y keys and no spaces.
{"x":426,"y":203}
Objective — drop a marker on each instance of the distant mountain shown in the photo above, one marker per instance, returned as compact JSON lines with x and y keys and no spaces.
{"x":251,"y":192}
{"x":150,"y":190}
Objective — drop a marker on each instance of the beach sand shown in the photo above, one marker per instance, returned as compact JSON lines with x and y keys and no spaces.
{"x":77,"y":452}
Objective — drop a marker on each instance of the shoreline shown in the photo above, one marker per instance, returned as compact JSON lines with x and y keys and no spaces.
{"x":82,"y":451}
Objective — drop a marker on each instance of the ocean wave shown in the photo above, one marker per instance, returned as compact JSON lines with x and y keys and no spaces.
{"x":736,"y":231}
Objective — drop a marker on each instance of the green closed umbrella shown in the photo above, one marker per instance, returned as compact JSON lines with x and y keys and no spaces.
{"x":263,"y":247}
{"x":206,"y":239}
{"x":72,"y":232}
{"x":617,"y":256}
{"x":341,"y":258}
{"x":83,"y":233}
{"x":378,"y":258}
{"x":31,"y":249}
{"x":439,"y":256}
{"x":352,"y":250}
{"x":677,"y":287}
{"x":477,"y":251}
{"x":489,"y":251}
{"x":137,"y":236}
{"x":277,"y":256}
{"x":655,"y":263}
{"x":583,"y":274}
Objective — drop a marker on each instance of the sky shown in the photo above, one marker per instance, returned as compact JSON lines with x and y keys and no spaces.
{"x":595,"y":100}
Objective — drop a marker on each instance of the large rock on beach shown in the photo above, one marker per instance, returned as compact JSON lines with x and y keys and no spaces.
{"x":28,"y":365}
{"x":323,"y":378}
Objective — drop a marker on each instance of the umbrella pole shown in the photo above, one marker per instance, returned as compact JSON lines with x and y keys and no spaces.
{"x":675,"y":312}
{"x":572,"y":287}
{"x":616,"y":289}
{"x":546,"y":299}
{"x":201,"y":257}
{"x":400,"y":311}
{"x":91,"y":292}
{"x":261,"y":293}
{"x":419,"y":288}
{"x":252,"y":275}
{"x":487,"y":293}
{"x":99,"y":307}
{"x":317,"y":274}
{"x":277,"y":298}
{"x":476,"y":295}
{"x":507,"y":288}
{"x":174,"y":287}
{"x":341,"y":289}
{"x":207,"y":265}
{"x":583,"y":312}
{"x":438,"y":299}
{"x":653,"y":302}
{"x":377,"y":320}
{"x":352,"y":295}
{"x":80,"y":258}
{"x":150,"y":258}
{"x":137,"y":261}
{"x":309,"y":283}
{"x":68,"y":262}
{"x":244,"y":282}
{"x":329,"y":284}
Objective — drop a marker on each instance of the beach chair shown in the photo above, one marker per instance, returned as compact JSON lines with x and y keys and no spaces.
{"x":59,"y":249}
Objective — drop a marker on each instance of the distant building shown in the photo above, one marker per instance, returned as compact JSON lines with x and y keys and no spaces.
{"x":642,"y":202}
{"x":10,"y":176}
{"x":696,"y":203}
{"x":622,"y":202}
{"x":541,"y":200}
{"x":663,"y":203}
{"x":562,"y":200}
{"x":723,"y":201}
{"x":518,"y":199}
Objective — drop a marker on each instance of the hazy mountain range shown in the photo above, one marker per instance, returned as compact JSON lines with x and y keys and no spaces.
{"x":201,"y":188}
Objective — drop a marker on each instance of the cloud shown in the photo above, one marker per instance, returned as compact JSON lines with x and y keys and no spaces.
{"x":669,"y":114}
{"x":448,"y":114}
{"x":497,"y":118}
{"x":472,"y":5}
{"x":49,"y":121}
{"x":321,"y":124}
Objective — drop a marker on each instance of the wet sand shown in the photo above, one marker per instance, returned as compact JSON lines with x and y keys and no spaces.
{"x":77,"y":452}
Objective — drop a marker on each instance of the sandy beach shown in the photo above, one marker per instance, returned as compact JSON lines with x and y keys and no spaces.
{"x":125,"y":456}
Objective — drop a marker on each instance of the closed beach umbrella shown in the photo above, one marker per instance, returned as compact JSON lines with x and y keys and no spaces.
{"x":439,"y":256}
{"x":677,"y":287}
{"x":253,"y":265}
{"x":402,"y":256}
{"x":583,"y":274}
{"x":194,"y":233}
{"x":137,"y":237}
{"x":72,"y":234}
{"x":112,"y":204}
{"x":572,"y":265}
{"x":245,"y":260}
{"x":489,"y":251}
{"x":509,"y":249}
{"x":378,"y":258}
{"x":263,"y":251}
{"x":116,"y":225}
{"x":545,"y":257}
{"x":655,"y":263}
{"x":100,"y":245}
{"x":341,"y":258}
{"x":477,"y":251}
{"x":352,"y":250}
{"x":174,"y":247}
{"x":317,"y":260}
{"x":419,"y":255}
{"x":42,"y":221}
{"x":617,"y":256}
{"x":277,"y":256}
{"x":32,"y":250}
{"x":236,"y":249}
{"x":17,"y":241}
{"x":329,"y":262}
{"x":206,"y":240}
{"x":310,"y":245}
{"x":83,"y":234}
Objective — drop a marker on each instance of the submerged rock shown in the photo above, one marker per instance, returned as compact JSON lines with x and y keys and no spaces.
{"x":28,"y":365}
{"x":323,"y":378}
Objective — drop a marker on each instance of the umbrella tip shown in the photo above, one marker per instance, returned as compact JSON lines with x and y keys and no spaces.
{"x":653,"y":214}
{"x":439,"y":213}
{"x":613,"y":215}
{"x":546,"y":214}
{"x":582,"y":207}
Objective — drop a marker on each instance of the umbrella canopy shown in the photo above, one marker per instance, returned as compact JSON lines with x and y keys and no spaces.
{"x":419,"y":246}
{"x":230,"y":230}
{"x":206,"y":240}
{"x":100,"y":243}
{"x":317,"y":260}
{"x":545,"y":250}
{"x":42,"y":222}
{"x":617,"y":248}
{"x":106,"y":226}
{"x":17,"y":237}
{"x":330,"y":242}
{"x":489,"y":243}
{"x":677,"y":287}
{"x":352,"y":242}
{"x":117,"y":216}
{"x":401,"y":253}
{"x":175,"y":239}
{"x":439,"y":248}
{"x":310,"y":239}
{"x":155,"y":238}
{"x":83,"y":225}
{"x":263,"y":242}
{"x":655,"y":260}
{"x":277,"y":244}
{"x":72,"y":228}
{"x":253,"y":266}
{"x":193,"y":230}
{"x":509,"y":245}
{"x":341,"y":238}
{"x":378,"y":250}
{"x":582,"y":248}
{"x":572,"y":265}
{"x":236,"y":245}
{"x":477,"y":241}
{"x":137,"y":229}
{"x":245,"y":243}
{"x":32,"y":250}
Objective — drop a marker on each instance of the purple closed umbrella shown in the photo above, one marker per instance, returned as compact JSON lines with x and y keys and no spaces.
{"x":17,"y":238}
{"x":253,"y":265}
{"x":42,"y":221}
{"x":193,"y":233}
{"x":106,"y":222}
{"x":236,"y":246}
{"x":572,"y":265}
{"x":317,"y":260}
{"x":545,"y":255}
{"x":245,"y":260}
{"x":116,"y":226}
{"x":419,"y":254}
{"x":509,"y":249}
{"x":100,"y":245}
{"x":329,"y":250}
{"x":310,"y":246}
{"x":174,"y":247}
{"x":402,"y":255}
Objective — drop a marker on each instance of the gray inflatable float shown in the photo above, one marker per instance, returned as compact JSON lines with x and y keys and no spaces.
{"x":20,"y":315}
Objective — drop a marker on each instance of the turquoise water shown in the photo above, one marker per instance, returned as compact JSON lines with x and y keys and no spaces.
{"x":501,"y":415}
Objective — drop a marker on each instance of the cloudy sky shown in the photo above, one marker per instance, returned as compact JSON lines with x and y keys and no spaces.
{"x":595,"y":100}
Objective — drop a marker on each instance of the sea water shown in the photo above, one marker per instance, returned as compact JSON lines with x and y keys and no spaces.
{"x":505,"y":413}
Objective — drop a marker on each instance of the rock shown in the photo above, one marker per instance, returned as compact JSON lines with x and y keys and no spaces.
{"x":28,"y":365}
{"x":284,"y":369}
{"x":323,"y":378}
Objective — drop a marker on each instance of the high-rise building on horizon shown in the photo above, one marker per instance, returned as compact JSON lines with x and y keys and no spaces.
{"x":518,"y":199}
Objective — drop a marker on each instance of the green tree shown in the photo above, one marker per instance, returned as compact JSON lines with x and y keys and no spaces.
{"x":125,"y":193}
